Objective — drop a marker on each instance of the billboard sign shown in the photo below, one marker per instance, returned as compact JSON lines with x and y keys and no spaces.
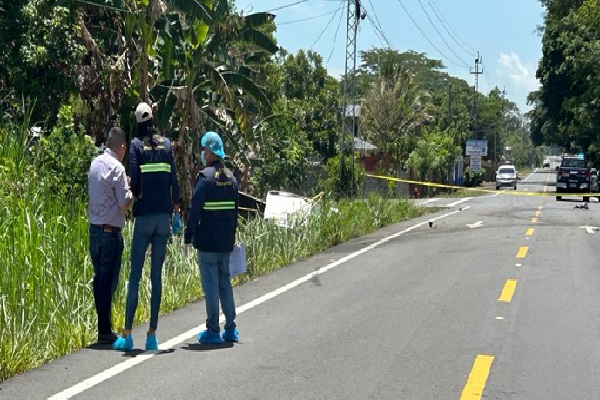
{"x":477,"y":148}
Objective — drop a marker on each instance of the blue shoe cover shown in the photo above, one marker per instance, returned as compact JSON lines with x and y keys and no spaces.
{"x":151,"y":342}
{"x":205,"y":337}
{"x":123,"y":343}
{"x":230,"y":335}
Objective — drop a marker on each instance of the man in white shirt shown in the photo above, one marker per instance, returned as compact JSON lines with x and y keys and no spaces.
{"x":109,"y":199}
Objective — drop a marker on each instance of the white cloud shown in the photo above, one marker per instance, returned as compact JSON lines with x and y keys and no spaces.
{"x":521,"y":76}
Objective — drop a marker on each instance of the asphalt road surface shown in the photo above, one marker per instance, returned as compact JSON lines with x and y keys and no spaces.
{"x":498,"y":299}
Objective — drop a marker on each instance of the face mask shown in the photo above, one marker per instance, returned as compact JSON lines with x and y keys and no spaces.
{"x":202,"y":159}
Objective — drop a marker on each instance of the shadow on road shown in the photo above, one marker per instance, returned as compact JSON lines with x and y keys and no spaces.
{"x":206,"y":347}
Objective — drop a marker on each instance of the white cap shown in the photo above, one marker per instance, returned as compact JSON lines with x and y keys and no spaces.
{"x":143,"y":112}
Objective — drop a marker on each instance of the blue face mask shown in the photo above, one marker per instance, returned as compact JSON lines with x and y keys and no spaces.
{"x":202,"y":159}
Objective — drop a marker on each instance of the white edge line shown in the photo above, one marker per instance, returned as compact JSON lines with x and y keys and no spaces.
{"x":125,"y":365}
{"x":460,"y":201}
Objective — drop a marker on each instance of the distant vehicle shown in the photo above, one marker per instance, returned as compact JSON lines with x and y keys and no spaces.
{"x":506,"y":176}
{"x":546,"y":164}
{"x":593,"y":180}
{"x":573,"y":176}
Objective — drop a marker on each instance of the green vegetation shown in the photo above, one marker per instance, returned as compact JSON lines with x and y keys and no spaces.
{"x":46,"y":303}
{"x":76,"y":68}
{"x":566,"y":112}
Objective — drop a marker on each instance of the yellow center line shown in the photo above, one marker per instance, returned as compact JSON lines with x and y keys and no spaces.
{"x":540,"y":208}
{"x":477,"y":378}
{"x":537,"y":213}
{"x":534,"y":220}
{"x":529,"y":232}
{"x":522,"y":252}
{"x":508,"y":291}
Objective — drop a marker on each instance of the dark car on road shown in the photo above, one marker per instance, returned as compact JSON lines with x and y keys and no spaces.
{"x":573,"y":176}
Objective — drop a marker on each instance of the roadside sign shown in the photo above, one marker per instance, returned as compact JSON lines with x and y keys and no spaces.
{"x":476,"y":148}
{"x":475,"y":163}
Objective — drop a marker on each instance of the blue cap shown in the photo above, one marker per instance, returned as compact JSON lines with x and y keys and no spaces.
{"x":213,"y":142}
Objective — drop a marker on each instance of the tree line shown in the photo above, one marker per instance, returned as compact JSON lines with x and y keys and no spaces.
{"x":566,"y":109}
{"x":78,"y":67}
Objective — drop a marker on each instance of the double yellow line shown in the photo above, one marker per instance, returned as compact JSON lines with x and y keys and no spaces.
{"x":480,"y":371}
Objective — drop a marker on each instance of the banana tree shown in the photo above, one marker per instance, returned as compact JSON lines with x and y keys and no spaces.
{"x":205,"y":80}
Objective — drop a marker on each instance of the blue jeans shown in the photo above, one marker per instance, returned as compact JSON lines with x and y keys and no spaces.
{"x":152,"y":229}
{"x":106,"y":250}
{"x":214,"y":276}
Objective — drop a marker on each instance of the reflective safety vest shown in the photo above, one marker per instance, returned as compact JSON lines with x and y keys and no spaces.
{"x":215,"y":232}
{"x":153,"y":175}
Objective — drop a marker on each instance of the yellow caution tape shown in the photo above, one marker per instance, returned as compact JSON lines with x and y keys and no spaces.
{"x":478,"y":189}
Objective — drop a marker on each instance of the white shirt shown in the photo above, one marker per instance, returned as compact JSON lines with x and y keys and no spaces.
{"x":108,"y":191}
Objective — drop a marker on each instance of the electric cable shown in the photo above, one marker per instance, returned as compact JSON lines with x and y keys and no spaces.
{"x":426,"y":37}
{"x":328,"y":23}
{"x":307,"y":18}
{"x":377,"y":25}
{"x":335,"y":38}
{"x":438,"y":14}
{"x":440,"y":35}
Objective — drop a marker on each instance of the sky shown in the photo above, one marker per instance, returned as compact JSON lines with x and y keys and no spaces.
{"x":453,"y":31}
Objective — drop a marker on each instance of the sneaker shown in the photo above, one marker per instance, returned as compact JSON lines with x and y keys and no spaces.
{"x":123,"y":343}
{"x":107,"y":338}
{"x":205,"y":337}
{"x":151,"y":342}
{"x":230,"y":335}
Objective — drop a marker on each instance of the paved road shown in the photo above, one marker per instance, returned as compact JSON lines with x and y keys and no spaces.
{"x":499,"y":298}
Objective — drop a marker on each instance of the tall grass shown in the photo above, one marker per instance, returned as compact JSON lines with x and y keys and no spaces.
{"x":46,"y":302}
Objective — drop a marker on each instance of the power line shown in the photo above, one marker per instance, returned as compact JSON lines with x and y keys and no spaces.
{"x":425,"y":36}
{"x":377,"y":25}
{"x":335,"y":38}
{"x":485,"y":76}
{"x":328,"y":23}
{"x":287,"y":5}
{"x":440,"y":35}
{"x":307,"y":18}
{"x":454,"y":36}
{"x":382,"y":40}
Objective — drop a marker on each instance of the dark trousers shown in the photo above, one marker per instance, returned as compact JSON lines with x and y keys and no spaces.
{"x":106,"y":249}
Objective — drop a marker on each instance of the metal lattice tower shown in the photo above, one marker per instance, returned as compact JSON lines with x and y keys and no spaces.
{"x":353,"y":17}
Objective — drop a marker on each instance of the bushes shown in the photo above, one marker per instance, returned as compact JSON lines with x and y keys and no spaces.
{"x":64,"y":157}
{"x":473,"y":178}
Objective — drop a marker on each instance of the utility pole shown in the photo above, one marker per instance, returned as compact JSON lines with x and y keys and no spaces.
{"x":449,"y":103}
{"x":353,"y":17}
{"x":477,"y":72}
{"x":503,"y":93}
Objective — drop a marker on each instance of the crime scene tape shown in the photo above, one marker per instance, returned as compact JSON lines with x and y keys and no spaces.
{"x":480,"y":189}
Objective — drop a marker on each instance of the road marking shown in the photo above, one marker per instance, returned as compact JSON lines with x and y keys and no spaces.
{"x":540,"y":208}
{"x":522,"y":252}
{"x":131,"y":362}
{"x":590,"y":229}
{"x":529,"y":232}
{"x":477,"y":224}
{"x":499,"y":318}
{"x":429,"y":201}
{"x":545,"y":187}
{"x":534,"y":220}
{"x":537,"y":213}
{"x":459,"y":202}
{"x":508,"y":291}
{"x":473,"y":390}
{"x":517,"y":265}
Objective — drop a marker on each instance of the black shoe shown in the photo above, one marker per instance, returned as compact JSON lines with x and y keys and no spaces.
{"x":107,"y":338}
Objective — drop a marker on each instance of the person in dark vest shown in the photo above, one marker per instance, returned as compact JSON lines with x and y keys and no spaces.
{"x":156,"y":211}
{"x":211,"y":228}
